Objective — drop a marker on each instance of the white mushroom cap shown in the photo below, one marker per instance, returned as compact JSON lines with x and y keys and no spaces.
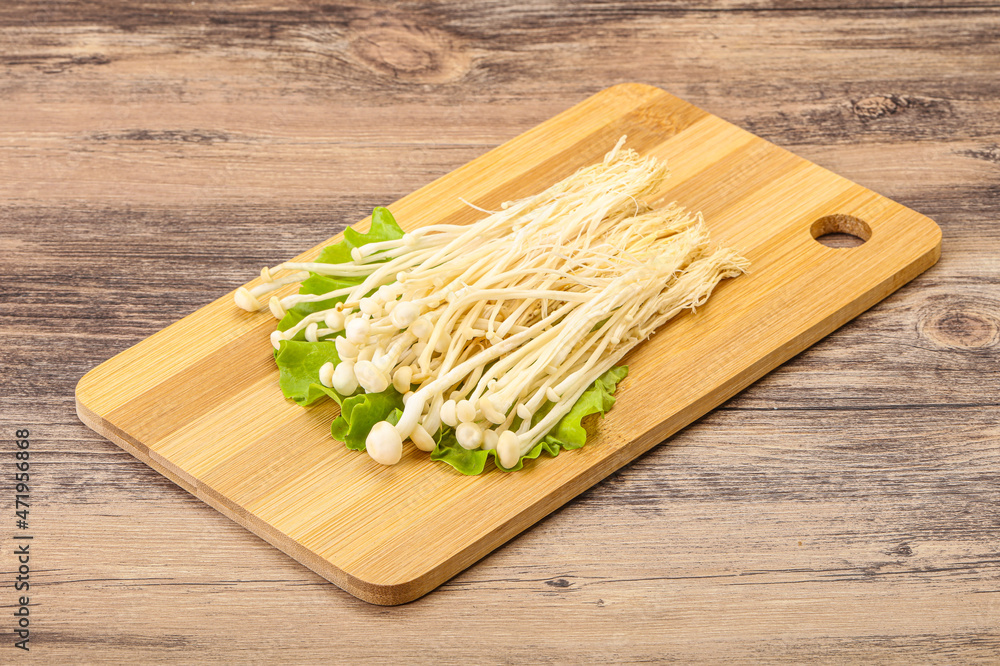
{"x":465,"y":411}
{"x":345,"y":348}
{"x":384,"y":444}
{"x":334,"y":320}
{"x":276,"y":308}
{"x":509,"y":449}
{"x":490,"y":438}
{"x":421,"y":327}
{"x":326,"y":375}
{"x":404,"y":314}
{"x":357,"y":330}
{"x":489,"y":410}
{"x":371,"y":379}
{"x":421,"y":439}
{"x":246,"y":300}
{"x":448,"y":416}
{"x":370,"y":306}
{"x":469,"y":435}
{"x":442,"y":343}
{"x":401,"y":378}
{"x":343,"y":379}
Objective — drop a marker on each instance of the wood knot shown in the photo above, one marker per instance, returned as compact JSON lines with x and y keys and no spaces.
{"x":990,"y":153}
{"x":410,"y":53}
{"x":558,"y":582}
{"x":166,"y":136}
{"x":878,"y":106}
{"x":903,"y":550}
{"x":962,"y":323}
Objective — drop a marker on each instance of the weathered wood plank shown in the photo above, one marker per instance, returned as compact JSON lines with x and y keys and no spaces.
{"x":900,"y":565}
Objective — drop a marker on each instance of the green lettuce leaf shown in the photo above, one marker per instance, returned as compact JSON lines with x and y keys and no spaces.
{"x":383,"y":228}
{"x":568,"y":433}
{"x":359,"y":413}
{"x":598,"y":399}
{"x":298,"y":370}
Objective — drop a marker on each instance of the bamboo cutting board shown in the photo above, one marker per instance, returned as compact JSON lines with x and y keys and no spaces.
{"x":199,"y":401}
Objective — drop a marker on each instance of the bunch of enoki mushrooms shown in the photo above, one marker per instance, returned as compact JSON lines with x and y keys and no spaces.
{"x":497,"y":328}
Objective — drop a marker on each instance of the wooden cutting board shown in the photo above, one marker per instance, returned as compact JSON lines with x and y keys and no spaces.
{"x":199,"y":401}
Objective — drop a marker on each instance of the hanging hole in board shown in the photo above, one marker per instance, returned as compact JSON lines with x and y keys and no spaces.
{"x":841,"y":231}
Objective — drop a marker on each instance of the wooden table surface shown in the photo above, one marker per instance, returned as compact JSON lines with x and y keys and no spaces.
{"x":153,"y":155}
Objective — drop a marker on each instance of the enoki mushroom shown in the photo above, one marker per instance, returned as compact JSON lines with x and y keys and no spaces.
{"x":497,"y":328}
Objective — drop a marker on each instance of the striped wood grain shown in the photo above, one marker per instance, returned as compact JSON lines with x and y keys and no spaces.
{"x":199,"y":401}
